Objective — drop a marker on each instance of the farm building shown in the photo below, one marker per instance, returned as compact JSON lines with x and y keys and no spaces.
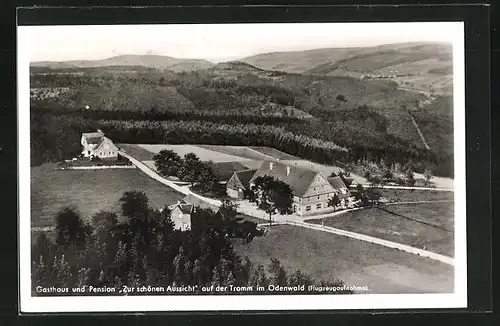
{"x":239,"y":182}
{"x":180,"y":213}
{"x":95,"y":144}
{"x":311,"y":189}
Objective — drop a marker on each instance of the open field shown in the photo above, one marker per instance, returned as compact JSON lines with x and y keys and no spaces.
{"x":255,"y":164}
{"x":137,"y":152}
{"x":274,"y":153}
{"x":224,"y":170}
{"x":425,"y":226}
{"x":202,"y":153}
{"x":241,"y":151}
{"x":89,"y":191}
{"x":327,"y":256}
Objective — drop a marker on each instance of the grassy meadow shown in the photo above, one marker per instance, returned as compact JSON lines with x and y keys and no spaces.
{"x":426,"y":226}
{"x":328,"y":256}
{"x":89,"y":191}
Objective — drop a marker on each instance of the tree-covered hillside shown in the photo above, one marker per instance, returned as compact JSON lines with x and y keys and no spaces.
{"x":368,"y":118}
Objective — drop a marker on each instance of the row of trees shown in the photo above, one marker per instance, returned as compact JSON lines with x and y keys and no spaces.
{"x":379,"y":173}
{"x":182,"y":132}
{"x":190,"y":169}
{"x":159,"y":114}
{"x":140,"y":247}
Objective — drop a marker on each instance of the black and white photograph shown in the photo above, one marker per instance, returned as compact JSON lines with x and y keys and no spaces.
{"x":242,"y":166}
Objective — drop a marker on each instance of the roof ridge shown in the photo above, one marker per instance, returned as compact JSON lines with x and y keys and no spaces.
{"x":299,"y":168}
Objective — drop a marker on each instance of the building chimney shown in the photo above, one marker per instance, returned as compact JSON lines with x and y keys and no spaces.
{"x":271,"y":165}
{"x":287,"y":170}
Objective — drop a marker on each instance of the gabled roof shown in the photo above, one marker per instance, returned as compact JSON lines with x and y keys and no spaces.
{"x":104,"y":140}
{"x":245,"y":176}
{"x":186,"y":208}
{"x":92,"y":136}
{"x":95,"y":140}
{"x":298,"y":179}
{"x":337,"y":182}
{"x":195,"y":201}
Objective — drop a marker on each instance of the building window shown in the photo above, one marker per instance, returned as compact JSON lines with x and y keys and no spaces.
{"x":318,"y":205}
{"x":308,"y":208}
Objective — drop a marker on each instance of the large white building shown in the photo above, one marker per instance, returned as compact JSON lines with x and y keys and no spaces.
{"x":95,"y":144}
{"x":311,"y":189}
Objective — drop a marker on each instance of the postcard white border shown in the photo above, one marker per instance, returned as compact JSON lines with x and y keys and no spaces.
{"x":29,"y":304}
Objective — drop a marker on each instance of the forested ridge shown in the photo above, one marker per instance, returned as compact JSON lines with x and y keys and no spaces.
{"x":228,"y":111}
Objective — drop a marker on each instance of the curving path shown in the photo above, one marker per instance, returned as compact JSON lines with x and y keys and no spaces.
{"x":247,"y":208}
{"x":382,"y":242}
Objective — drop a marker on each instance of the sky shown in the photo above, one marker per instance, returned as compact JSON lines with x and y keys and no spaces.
{"x":219,"y":42}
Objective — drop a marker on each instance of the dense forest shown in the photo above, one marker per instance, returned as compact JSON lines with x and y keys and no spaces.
{"x":352,"y":119}
{"x":139,"y":247}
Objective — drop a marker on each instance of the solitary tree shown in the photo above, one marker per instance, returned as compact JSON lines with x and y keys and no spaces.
{"x":167,"y":162}
{"x":206,"y":177}
{"x":273,"y":196}
{"x":190,"y":168}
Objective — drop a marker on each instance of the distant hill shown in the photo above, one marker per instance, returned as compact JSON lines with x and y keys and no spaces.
{"x":305,"y":61}
{"x":421,"y":67}
{"x":298,"y":61}
{"x":150,"y":61}
{"x":235,"y":65}
{"x":391,"y":57}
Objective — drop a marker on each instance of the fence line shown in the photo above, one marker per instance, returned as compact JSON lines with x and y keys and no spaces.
{"x":405,"y":187}
{"x":386,"y":243}
{"x":98,"y":167}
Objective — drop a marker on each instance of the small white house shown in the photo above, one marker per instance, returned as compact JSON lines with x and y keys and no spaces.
{"x":95,"y":144}
{"x":180,"y":213}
